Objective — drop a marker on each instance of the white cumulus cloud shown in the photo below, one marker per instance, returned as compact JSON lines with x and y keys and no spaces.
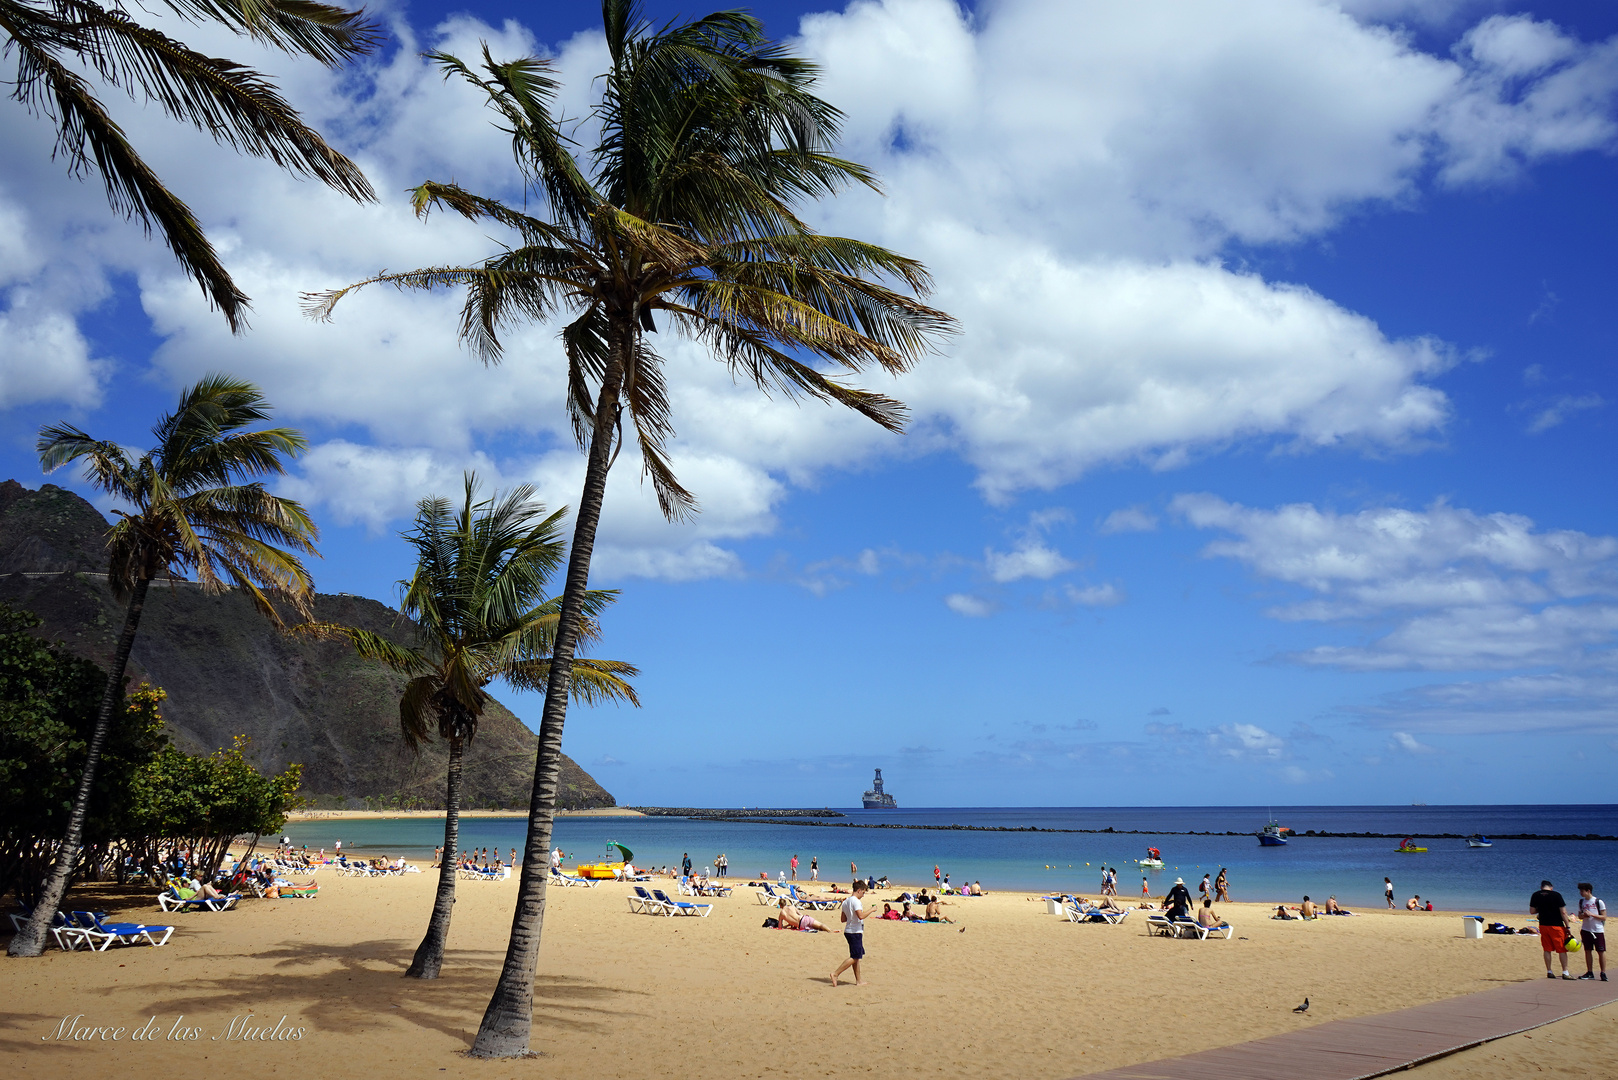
{"x":1072,"y":172}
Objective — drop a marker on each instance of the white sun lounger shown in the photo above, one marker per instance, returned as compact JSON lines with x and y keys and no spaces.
{"x":1192,"y":928}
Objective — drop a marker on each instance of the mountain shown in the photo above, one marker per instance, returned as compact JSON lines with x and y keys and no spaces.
{"x":228,"y":672}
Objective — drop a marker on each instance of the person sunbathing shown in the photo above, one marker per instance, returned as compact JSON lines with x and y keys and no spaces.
{"x":1108,"y":903}
{"x":790,"y":918}
{"x":1334,"y":908}
{"x":1207,"y":917}
{"x":890,"y":914}
{"x":1308,"y":908}
{"x":935,"y":912}
{"x":192,"y":889}
{"x":1282,"y":913}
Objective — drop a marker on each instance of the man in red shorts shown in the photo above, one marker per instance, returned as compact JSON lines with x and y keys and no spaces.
{"x":1547,"y":904}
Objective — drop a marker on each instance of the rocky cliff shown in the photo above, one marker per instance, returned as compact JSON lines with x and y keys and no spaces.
{"x":228,"y":672}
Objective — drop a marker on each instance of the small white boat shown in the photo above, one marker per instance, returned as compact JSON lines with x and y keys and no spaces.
{"x":1150,"y":864}
{"x":1478,"y":840}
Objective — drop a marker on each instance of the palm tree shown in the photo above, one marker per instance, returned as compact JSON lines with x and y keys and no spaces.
{"x":193,"y":510}
{"x":56,"y":40}
{"x":478,"y":600}
{"x":682,"y":212}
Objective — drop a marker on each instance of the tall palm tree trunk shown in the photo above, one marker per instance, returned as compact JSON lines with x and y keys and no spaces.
{"x":509,"y":1017}
{"x":430,"y":953}
{"x":30,"y":941}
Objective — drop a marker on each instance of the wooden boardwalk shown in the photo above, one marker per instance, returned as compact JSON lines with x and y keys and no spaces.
{"x":1376,"y":1045}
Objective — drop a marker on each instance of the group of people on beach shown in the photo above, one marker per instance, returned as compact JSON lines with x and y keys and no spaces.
{"x":1556,"y":929}
{"x":478,"y":859}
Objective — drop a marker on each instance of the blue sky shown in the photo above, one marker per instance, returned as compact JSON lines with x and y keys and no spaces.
{"x":1270,"y":464}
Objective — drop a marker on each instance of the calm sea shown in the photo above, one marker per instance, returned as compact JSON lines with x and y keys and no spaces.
{"x":1453,"y":876}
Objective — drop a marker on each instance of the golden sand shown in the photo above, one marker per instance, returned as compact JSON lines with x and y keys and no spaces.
{"x":335,"y":815}
{"x":1009,"y":991}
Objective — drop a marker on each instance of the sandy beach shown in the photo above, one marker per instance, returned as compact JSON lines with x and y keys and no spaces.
{"x":358,"y":815}
{"x":1009,"y":991}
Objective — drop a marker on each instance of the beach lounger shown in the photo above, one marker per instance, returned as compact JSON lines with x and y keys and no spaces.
{"x":171,"y":900}
{"x":768,"y":897}
{"x":62,"y":928}
{"x":813,"y":902}
{"x":91,"y":929}
{"x":1159,"y":923}
{"x":1192,"y":928}
{"x":683,"y":907}
{"x":1094,"y":914}
{"x":649,"y":904}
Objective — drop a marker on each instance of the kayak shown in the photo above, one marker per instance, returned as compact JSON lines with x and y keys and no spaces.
{"x":1409,"y":850}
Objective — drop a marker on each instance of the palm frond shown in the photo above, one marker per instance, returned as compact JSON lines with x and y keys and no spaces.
{"x":86,"y":134}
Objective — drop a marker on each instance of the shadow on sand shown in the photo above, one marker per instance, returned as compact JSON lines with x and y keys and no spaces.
{"x":324,"y":986}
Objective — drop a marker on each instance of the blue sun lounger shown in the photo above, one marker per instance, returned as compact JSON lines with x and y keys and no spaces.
{"x":683,"y":907}
{"x":644,"y":903}
{"x":60,"y":925}
{"x":91,"y":930}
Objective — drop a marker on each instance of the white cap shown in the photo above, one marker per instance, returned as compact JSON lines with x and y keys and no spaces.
{"x":1179,"y":881}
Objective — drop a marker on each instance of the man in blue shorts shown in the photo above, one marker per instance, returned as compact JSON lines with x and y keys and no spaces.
{"x":853,"y":916}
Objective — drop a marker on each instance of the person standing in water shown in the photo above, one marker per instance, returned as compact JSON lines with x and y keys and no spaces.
{"x":1387,"y":891}
{"x":1221,"y":887}
{"x":814,"y":868}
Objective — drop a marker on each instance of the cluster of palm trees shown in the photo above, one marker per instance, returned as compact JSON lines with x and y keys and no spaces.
{"x":682,"y":217}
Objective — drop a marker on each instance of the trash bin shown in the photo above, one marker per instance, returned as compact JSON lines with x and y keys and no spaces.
{"x":1053,"y":906}
{"x":1474,"y":925}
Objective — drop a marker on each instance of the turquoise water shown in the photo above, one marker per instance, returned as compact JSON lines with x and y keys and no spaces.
{"x":1453,"y":876}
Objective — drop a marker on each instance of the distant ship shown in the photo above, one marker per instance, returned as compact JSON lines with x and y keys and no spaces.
{"x":876,"y":798}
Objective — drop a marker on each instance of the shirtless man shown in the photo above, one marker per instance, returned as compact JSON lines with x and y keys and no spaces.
{"x":790,"y":918}
{"x":1308,"y":908}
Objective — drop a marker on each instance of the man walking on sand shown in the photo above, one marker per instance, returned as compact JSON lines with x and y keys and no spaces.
{"x":1387,"y":891}
{"x":814,"y":868}
{"x":1592,"y":930}
{"x":1547,"y":904}
{"x":853,"y":916}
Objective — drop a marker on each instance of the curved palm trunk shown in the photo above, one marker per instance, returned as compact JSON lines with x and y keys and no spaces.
{"x":509,"y":1017}
{"x":430,"y":953}
{"x":30,"y":940}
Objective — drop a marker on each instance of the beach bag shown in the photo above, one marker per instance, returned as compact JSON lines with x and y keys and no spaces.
{"x":772,"y":924}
